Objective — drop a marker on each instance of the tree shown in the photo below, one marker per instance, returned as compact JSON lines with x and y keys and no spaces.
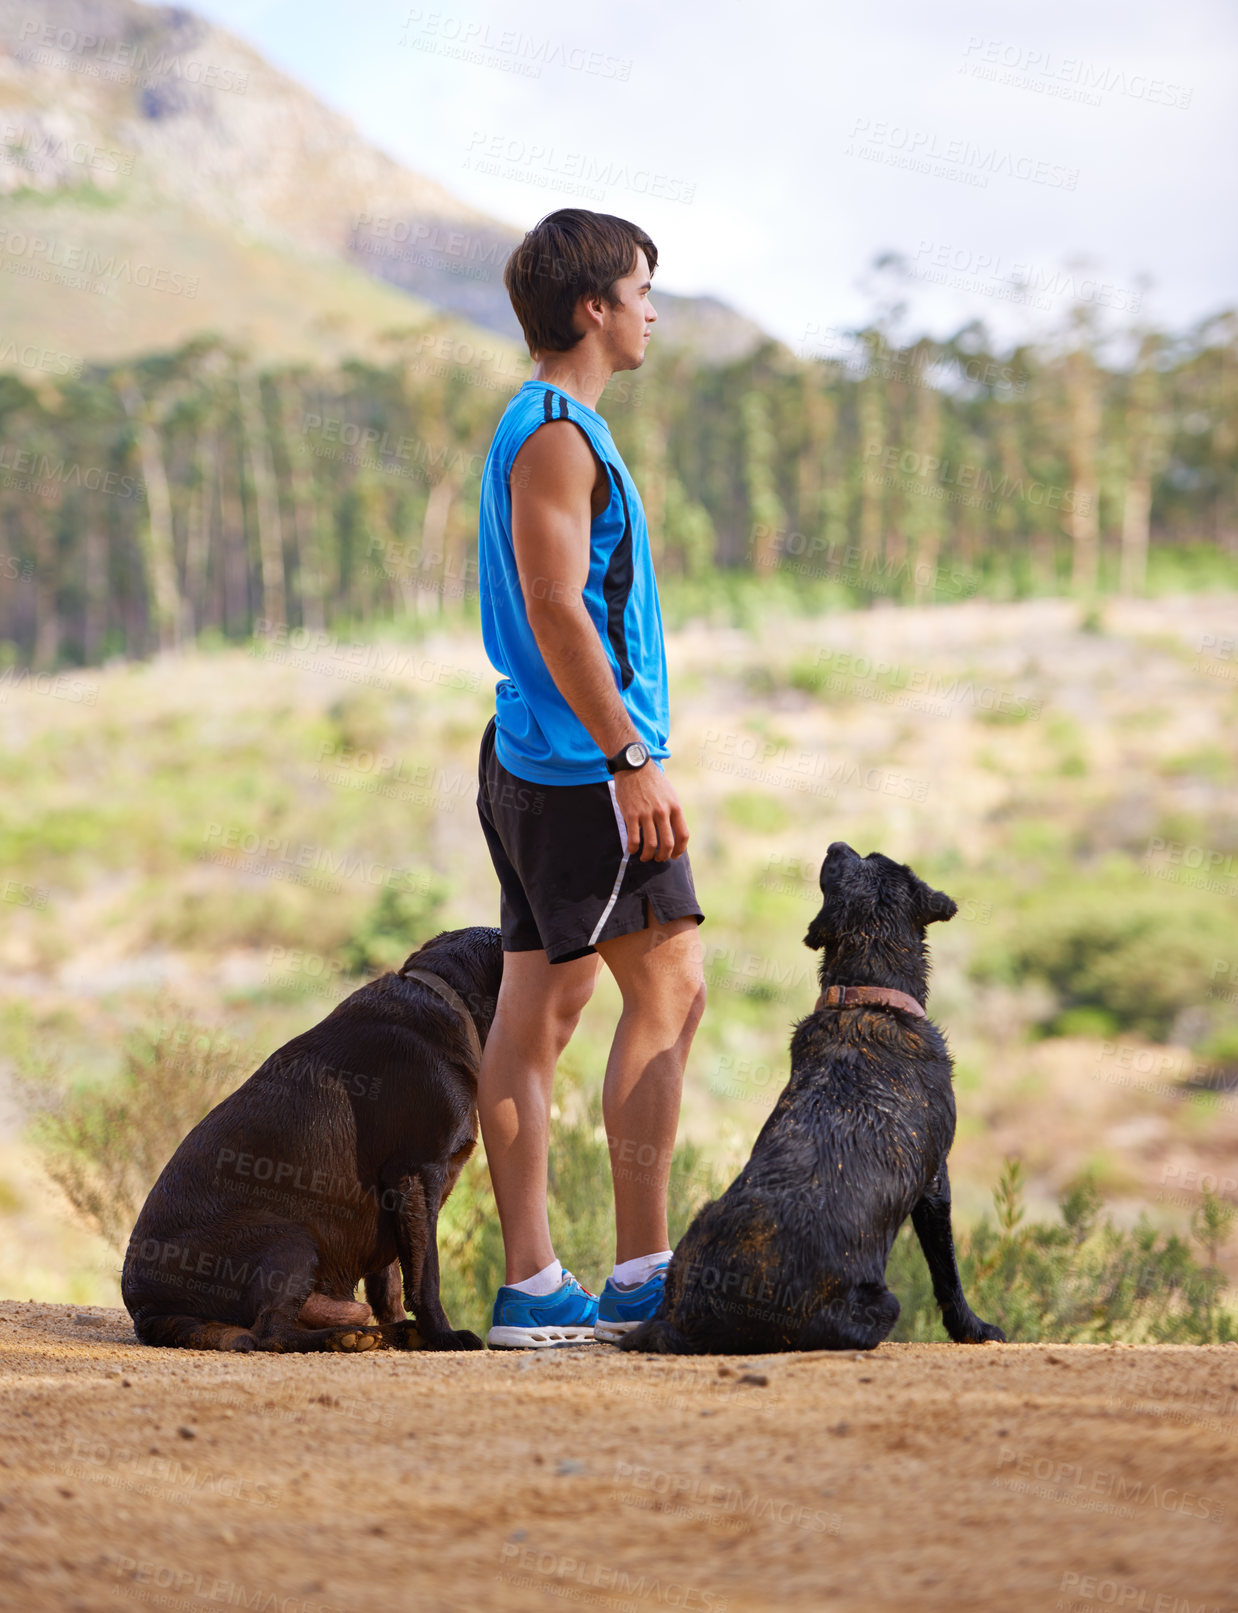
{"x":157,"y":546}
{"x":257,"y":448}
{"x":1082,"y":422}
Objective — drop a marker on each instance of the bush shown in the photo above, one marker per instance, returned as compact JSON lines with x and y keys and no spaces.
{"x":104,"y":1146}
{"x":1118,"y":957}
{"x":1078,"y":1281}
{"x":396,"y":924}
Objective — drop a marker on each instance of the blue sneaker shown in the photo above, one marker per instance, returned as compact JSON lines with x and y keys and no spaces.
{"x":621,"y":1309}
{"x":538,"y":1322}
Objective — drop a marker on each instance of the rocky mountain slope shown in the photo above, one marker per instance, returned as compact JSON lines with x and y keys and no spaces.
{"x":144,"y":149}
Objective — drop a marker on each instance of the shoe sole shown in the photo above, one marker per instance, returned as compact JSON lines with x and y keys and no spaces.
{"x":612,"y":1332}
{"x":537,"y":1338}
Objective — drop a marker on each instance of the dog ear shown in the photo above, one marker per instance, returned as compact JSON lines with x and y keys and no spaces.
{"x":936,"y":905}
{"x":816,"y":936}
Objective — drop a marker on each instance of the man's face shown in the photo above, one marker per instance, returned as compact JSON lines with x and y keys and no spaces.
{"x":627,"y":327}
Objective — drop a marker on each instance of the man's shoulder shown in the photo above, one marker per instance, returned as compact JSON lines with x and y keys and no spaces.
{"x":551,"y":442}
{"x":556,"y":442}
{"x":538,"y":404}
{"x":526,"y":412}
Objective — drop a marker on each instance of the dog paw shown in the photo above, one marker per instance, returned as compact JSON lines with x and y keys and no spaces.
{"x":354,"y":1340}
{"x":453,"y":1340}
{"x":401,"y":1335}
{"x":971,"y":1330}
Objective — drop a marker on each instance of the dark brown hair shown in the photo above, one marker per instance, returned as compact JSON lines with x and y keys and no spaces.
{"x":568,"y":255}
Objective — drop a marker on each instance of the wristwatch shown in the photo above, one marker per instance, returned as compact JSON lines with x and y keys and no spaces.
{"x":631,"y":757}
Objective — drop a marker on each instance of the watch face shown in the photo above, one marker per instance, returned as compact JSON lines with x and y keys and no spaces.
{"x":636,"y":755}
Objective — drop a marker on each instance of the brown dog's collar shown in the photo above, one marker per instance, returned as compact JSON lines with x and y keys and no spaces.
{"x":874,"y":996}
{"x":453,"y":999}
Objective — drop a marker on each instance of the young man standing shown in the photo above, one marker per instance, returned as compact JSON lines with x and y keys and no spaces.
{"x":584,"y":828}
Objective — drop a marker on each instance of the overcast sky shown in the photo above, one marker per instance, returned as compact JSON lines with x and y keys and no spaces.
{"x":773,"y":150}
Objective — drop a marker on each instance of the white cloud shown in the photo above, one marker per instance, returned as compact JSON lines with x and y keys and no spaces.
{"x":756,"y":109}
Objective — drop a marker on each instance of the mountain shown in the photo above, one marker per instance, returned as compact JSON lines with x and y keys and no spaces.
{"x":158,"y":178}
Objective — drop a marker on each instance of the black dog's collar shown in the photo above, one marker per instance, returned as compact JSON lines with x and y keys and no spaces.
{"x":871,"y":996}
{"x":453,"y":999}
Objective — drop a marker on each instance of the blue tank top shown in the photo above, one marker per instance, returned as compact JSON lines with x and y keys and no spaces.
{"x":537,"y":734}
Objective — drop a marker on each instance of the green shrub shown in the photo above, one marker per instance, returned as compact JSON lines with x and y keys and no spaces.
{"x":1080,"y":1280}
{"x":1222,"y":1048}
{"x":401,"y":918}
{"x":1120,"y":956}
{"x":105,"y":1144}
{"x":363,"y":719}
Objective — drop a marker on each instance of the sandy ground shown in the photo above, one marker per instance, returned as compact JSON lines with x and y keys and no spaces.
{"x":921,"y":1476}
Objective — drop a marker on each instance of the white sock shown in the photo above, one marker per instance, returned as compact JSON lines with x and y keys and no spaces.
{"x":542,"y":1282}
{"x":631,"y":1273}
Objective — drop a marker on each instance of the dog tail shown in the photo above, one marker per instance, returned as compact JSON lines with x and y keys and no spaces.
{"x":192,"y":1333}
{"x":657,"y":1336}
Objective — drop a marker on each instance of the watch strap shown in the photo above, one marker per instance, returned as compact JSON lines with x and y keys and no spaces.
{"x":618,"y":763}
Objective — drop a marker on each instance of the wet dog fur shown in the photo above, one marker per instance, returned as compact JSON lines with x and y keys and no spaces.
{"x":327,"y":1168}
{"x":793,"y":1255}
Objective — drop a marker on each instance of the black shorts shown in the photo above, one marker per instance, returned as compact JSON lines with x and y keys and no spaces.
{"x":560,"y":851}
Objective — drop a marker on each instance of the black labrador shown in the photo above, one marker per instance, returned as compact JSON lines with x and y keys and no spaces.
{"x":793,"y":1255}
{"x":328,"y":1167}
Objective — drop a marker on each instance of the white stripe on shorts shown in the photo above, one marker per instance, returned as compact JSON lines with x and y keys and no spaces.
{"x":623,"y":866}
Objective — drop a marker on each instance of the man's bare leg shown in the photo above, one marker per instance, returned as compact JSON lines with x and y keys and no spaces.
{"x":539,"y":1006}
{"x":659,"y":973}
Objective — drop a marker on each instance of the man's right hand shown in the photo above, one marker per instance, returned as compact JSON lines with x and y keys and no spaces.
{"x":651,"y":813}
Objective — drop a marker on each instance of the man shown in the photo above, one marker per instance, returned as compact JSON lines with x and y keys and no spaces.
{"x":584,"y":828}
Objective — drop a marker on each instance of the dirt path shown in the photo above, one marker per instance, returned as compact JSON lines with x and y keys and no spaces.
{"x":1031,"y":1477}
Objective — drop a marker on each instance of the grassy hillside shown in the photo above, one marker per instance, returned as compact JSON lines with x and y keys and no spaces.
{"x":218,"y":838}
{"x":153,"y":274}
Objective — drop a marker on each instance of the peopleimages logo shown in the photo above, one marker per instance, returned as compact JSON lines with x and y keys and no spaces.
{"x":931,"y":469}
{"x":41,"y":257}
{"x":120,"y":60}
{"x":1094,"y":1590}
{"x":1030,"y":68}
{"x":1099,"y":1490}
{"x":39,"y":472}
{"x":926,"y":151}
{"x":479,"y":42}
{"x":32,"y":357}
{"x":573,"y":1578}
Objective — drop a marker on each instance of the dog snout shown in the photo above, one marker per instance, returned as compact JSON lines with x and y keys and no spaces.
{"x":839,"y":848}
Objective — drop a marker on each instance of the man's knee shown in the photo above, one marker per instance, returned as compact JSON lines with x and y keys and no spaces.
{"x":546,"y":1012}
{"x":695,"y":1007}
{"x":565,"y":1008}
{"x":684,"y":1004}
{"x":670,"y":978}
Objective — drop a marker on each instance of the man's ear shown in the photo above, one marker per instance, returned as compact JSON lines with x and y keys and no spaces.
{"x":936,"y":906}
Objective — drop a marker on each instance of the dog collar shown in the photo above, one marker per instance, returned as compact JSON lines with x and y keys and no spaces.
{"x":873,"y":996}
{"x":453,"y":999}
